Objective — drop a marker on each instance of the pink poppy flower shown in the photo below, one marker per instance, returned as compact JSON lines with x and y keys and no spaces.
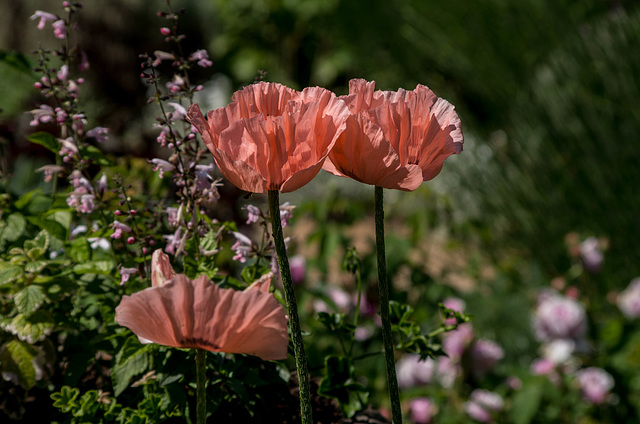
{"x":271,"y":137}
{"x":395,"y":139}
{"x":184,"y":313}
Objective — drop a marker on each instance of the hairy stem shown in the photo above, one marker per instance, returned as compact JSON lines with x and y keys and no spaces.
{"x":383,"y":288}
{"x":201,"y":393}
{"x":292,"y":307}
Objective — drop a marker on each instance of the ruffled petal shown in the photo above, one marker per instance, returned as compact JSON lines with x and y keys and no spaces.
{"x":363,"y":154}
{"x":199,"y":314}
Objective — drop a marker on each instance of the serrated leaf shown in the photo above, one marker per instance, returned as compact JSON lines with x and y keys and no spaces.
{"x":9,"y":273}
{"x":36,"y":266}
{"x":15,"y":227}
{"x":16,"y":358}
{"x":30,"y":329}
{"x":65,"y":398}
{"x":94,"y":267}
{"x":131,"y":360}
{"x":46,"y":140}
{"x":38,"y":246}
{"x":29,"y":299}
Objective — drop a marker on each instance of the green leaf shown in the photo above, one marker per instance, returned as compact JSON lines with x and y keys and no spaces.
{"x":131,"y":360}
{"x":38,"y":246}
{"x":65,"y":398}
{"x":46,"y":140}
{"x":29,"y":299}
{"x":339,"y":383}
{"x":94,"y":267}
{"x":526,"y":401}
{"x":9,"y":273}
{"x":17,"y":61}
{"x":36,"y":266}
{"x":97,"y":156}
{"x":80,"y":250}
{"x":32,"y":328}
{"x":16,"y":358}
{"x":16,"y":225}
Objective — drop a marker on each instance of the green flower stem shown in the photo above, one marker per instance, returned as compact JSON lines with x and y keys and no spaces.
{"x":292,"y":307}
{"x":201,"y":392}
{"x":383,"y":288}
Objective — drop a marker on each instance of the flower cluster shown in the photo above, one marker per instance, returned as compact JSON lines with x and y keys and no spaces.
{"x":274,"y":138}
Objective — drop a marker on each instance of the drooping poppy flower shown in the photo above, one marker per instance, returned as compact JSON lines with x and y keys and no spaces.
{"x":180,"y":312}
{"x":395,"y":139}
{"x":271,"y":137}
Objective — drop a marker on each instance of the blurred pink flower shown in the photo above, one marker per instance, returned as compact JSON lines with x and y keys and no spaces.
{"x":184,"y":313}
{"x":338,"y":296}
{"x":591,"y":254}
{"x":455,"y":304}
{"x":484,"y":356}
{"x":456,"y":342}
{"x":412,"y":372}
{"x":422,"y":410}
{"x":629,"y":300}
{"x":595,"y":384}
{"x":483,"y":404}
{"x":60,"y":29}
{"x":559,"y":317}
{"x":297,"y":265}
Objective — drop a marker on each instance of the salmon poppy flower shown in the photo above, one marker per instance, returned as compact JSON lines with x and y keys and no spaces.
{"x":271,"y":137}
{"x":180,"y":312}
{"x":395,"y":139}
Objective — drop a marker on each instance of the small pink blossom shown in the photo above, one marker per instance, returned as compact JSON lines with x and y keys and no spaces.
{"x":173,"y":242}
{"x":286,"y":213}
{"x":50,"y":171}
{"x":43,"y":114}
{"x":242,"y":247}
{"x":44,"y":18}
{"x":59,"y":29}
{"x":542,"y":366}
{"x":254,"y":213}
{"x":165,"y":31}
{"x":125,"y":273}
{"x":202,"y":57}
{"x":160,"y":56}
{"x":63,"y":73}
{"x":162,"y":166}
{"x":179,"y":111}
{"x":119,"y":228}
{"x":101,"y":134}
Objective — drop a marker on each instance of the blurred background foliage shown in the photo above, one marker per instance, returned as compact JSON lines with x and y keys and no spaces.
{"x":547,"y":91}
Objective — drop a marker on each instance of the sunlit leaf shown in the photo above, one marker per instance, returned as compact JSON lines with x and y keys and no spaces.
{"x":16,"y":358}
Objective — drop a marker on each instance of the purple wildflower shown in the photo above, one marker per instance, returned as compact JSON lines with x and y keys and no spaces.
{"x":595,"y":384}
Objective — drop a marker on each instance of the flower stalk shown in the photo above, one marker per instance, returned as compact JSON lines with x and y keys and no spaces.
{"x":292,"y":306}
{"x":383,"y":288}
{"x":201,"y":392}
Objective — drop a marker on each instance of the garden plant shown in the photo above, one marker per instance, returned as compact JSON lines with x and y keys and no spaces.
{"x":284,"y":255}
